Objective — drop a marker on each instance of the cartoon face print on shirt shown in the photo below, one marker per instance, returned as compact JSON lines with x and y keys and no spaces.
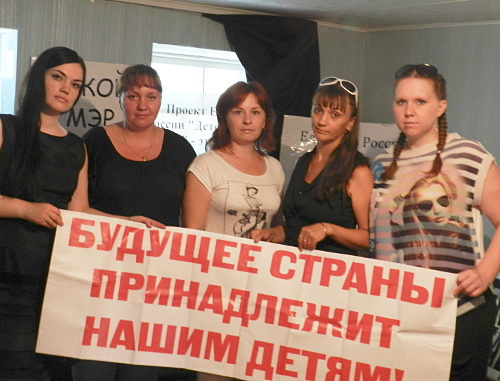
{"x":431,"y":201}
{"x":429,"y":223}
{"x":252,"y":218}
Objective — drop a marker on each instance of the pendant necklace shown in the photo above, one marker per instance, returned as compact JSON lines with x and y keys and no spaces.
{"x":144,"y":156}
{"x":309,"y":167}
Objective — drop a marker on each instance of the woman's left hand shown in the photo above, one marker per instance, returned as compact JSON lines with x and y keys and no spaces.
{"x":149,"y":222}
{"x":471,"y":283}
{"x":274,"y":235}
{"x":310,"y":235}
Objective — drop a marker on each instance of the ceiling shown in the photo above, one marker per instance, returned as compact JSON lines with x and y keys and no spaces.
{"x":357,"y":14}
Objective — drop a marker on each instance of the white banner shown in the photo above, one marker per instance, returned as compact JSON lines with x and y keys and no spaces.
{"x":120,"y":292}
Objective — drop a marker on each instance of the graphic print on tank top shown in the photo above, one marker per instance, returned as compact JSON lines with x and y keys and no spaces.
{"x":424,"y":219}
{"x":251,"y":218}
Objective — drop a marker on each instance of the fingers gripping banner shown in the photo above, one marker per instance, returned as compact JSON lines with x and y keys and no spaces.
{"x":120,"y":292}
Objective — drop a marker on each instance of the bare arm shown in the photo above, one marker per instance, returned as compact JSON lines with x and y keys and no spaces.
{"x":195,"y":203}
{"x":42,"y":214}
{"x":359,"y":188}
{"x":39,"y":213}
{"x":474,"y":282}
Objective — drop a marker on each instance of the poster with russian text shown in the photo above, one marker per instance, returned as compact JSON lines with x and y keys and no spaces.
{"x":98,"y":106}
{"x":298,"y":138}
{"x":120,"y":292}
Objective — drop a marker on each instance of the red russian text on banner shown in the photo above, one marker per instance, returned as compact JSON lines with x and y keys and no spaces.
{"x":120,"y":292}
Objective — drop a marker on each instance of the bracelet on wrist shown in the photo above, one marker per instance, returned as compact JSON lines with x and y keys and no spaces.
{"x":324,"y":228}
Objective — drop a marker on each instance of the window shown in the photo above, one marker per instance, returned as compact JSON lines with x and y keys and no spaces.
{"x":8,"y":69}
{"x":193,"y":80}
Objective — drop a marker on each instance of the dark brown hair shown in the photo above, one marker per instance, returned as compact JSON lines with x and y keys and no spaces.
{"x":139,"y":76}
{"x":233,"y":97}
{"x":346,"y":157}
{"x":25,"y":165}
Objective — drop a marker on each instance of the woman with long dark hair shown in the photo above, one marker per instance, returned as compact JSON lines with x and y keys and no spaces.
{"x":43,"y":169}
{"x":40,"y":165}
{"x":326,"y":204}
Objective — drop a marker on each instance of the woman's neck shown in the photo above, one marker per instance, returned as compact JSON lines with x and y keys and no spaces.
{"x":241,"y":150}
{"x":49,"y":124}
{"x":324,"y":151}
{"x":244,"y":158}
{"x":413,"y":143}
{"x":138,"y":134}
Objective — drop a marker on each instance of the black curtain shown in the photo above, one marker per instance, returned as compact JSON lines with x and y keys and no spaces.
{"x":280,"y":53}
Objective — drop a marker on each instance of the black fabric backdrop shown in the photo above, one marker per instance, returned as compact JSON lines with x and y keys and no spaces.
{"x":280,"y":53}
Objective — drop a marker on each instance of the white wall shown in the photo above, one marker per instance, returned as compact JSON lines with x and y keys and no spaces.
{"x":467,"y":56}
{"x":104,"y":31}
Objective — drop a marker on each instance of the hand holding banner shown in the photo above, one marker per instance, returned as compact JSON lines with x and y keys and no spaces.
{"x":120,"y":292}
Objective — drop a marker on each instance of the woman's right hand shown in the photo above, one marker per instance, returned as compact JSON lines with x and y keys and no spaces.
{"x":274,"y":235}
{"x":149,"y":222}
{"x":311,"y":235}
{"x":43,"y":214}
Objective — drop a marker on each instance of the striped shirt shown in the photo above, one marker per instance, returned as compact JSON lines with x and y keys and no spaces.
{"x":431,"y":221}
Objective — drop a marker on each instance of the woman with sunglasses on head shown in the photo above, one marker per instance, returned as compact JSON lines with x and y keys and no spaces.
{"x":326,"y":205}
{"x":444,"y":182}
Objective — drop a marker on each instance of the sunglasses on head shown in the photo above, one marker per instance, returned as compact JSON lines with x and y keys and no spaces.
{"x":344,"y":83}
{"x":425,"y":70}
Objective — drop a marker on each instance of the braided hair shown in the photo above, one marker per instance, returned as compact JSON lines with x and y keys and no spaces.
{"x":428,"y":72}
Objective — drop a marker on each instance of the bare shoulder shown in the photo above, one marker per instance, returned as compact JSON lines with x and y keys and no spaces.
{"x":362,"y":174}
{"x":491,"y":195}
{"x":361,"y":181}
{"x":492,"y":183}
{"x":114,"y":132}
{"x":112,"y":129}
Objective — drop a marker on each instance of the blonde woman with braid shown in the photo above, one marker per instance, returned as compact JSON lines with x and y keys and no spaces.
{"x":430,"y":191}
